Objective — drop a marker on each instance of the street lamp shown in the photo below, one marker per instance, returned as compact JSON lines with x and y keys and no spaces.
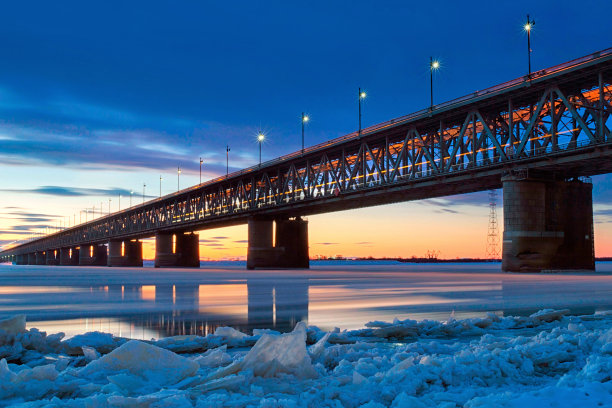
{"x":131,"y":193}
{"x":260,"y":139}
{"x":144,"y":186}
{"x":119,"y":202}
{"x":201,"y":161}
{"x":227,"y":150}
{"x":178,"y":178}
{"x":362,"y":96}
{"x":305,"y":119}
{"x":160,"y":180}
{"x":527,"y":27}
{"x":433,"y":65}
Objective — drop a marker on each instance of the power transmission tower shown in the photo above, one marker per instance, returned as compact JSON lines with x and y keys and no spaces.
{"x":492,"y":234}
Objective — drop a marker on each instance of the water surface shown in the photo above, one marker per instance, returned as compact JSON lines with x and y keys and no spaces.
{"x":154,"y":303}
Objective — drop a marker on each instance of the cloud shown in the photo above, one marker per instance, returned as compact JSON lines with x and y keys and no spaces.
{"x":220,"y":237}
{"x":363,"y":243}
{"x":242,"y":241}
{"x":326,"y":243}
{"x":73,"y":191}
{"x":447,"y":210}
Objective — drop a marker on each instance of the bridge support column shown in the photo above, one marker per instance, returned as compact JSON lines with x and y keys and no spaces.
{"x":41,"y":258}
{"x":52,"y":257}
{"x":69,"y":256}
{"x":291,"y":244}
{"x":548,"y":225}
{"x":92,"y":255}
{"x":124,"y":253}
{"x":32,"y":259}
{"x":21,"y":260}
{"x":177,"y":250}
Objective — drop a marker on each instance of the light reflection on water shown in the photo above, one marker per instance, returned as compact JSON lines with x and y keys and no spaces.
{"x":149,"y":303}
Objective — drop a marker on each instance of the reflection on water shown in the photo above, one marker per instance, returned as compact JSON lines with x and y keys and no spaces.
{"x":171,"y":303}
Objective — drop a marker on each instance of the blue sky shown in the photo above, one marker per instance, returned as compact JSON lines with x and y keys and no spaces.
{"x":98,"y":98}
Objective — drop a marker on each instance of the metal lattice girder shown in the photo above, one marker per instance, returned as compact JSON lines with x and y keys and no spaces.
{"x":557,"y":121}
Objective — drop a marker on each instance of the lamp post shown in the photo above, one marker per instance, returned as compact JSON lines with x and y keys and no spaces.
{"x":144,"y":186}
{"x":260,"y":139}
{"x":527,"y":27}
{"x":362,"y":96}
{"x":109,"y":201}
{"x":201,"y":161}
{"x":433,"y":65}
{"x":305,"y":119}
{"x":178,"y":178}
{"x":160,"y":180}
{"x":131,"y":193}
{"x":227,"y":150}
{"x":119,"y":202}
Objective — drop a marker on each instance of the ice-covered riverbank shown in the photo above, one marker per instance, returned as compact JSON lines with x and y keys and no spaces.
{"x":547,"y":359}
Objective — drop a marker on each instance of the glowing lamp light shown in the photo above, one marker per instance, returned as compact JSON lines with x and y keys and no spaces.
{"x":362,"y":95}
{"x":435,"y":64}
{"x":527,"y":27}
{"x":260,"y":137}
{"x":305,"y":118}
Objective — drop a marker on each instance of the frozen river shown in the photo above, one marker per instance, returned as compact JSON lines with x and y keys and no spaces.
{"x":149,"y":303}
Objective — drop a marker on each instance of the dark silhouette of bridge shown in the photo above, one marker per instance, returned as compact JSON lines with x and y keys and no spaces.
{"x":539,"y":137}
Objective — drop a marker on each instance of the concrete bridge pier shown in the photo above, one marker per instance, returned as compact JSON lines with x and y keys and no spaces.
{"x":177,"y":250}
{"x":548,"y":225}
{"x":93,"y":255}
{"x":124,"y":253}
{"x":52,"y":256}
{"x":69,"y":256}
{"x":41,"y":258}
{"x":290,"y":248}
{"x":21,"y":259}
{"x":32,"y":258}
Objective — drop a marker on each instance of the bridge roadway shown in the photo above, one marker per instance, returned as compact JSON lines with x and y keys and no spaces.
{"x":534,"y":136}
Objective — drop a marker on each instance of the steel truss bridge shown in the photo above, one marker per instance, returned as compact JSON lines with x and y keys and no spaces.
{"x":556,"y":120}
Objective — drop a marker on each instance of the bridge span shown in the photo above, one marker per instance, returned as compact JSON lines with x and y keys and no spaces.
{"x":539,"y":137}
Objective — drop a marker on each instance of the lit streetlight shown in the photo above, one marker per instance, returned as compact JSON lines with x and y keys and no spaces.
{"x":305,"y":119}
{"x":227,"y":150}
{"x":527,"y":27}
{"x":178,"y":178}
{"x":160,"y":180}
{"x":201,"y":161}
{"x":361,"y":96}
{"x":433,"y":65}
{"x":260,"y":139}
{"x":131,"y":194}
{"x":144,"y":186}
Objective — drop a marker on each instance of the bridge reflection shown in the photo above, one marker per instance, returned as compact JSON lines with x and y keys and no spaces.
{"x":198,"y":309}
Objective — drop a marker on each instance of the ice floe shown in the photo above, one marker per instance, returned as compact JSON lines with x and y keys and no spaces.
{"x":547,"y":359}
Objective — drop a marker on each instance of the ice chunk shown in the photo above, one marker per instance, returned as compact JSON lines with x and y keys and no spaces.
{"x":286,"y":353}
{"x":316,"y":349}
{"x":90,"y":353}
{"x":403,"y":400}
{"x":102,"y":342}
{"x":229,"y":333}
{"x":214,"y":358}
{"x":183,"y":344}
{"x":13,"y":325}
{"x":549,"y":315}
{"x":147,"y":361}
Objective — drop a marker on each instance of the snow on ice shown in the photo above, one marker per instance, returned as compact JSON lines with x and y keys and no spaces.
{"x":544,"y":360}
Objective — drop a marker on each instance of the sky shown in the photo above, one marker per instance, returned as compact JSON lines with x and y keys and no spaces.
{"x":99,"y":98}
